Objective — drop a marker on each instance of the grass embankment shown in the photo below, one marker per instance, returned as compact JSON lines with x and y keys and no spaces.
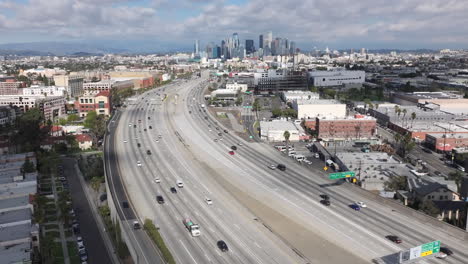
{"x":157,"y":239}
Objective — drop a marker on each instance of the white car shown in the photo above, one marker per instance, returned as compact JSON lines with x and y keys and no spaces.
{"x":239,"y":144}
{"x":272,"y":166}
{"x":138,"y":163}
{"x":125,"y":141}
{"x":441,"y":255}
{"x":157,"y":180}
{"x":159,"y":136}
{"x":361,"y":204}
{"x":180,"y":184}
{"x":208,"y":201}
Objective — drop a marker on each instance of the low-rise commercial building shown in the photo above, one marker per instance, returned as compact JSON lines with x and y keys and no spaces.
{"x":273,"y":131}
{"x":94,"y":88}
{"x":10,"y":87}
{"x":289,"y":96}
{"x":336,"y":78}
{"x":224,"y":94}
{"x":356,"y":127}
{"x":101,"y":103}
{"x":273,"y":81}
{"x":7,"y":115}
{"x":319,"y":108}
{"x":43,"y":90}
{"x":446,"y":142}
{"x":417,"y":98}
{"x":236,"y":87}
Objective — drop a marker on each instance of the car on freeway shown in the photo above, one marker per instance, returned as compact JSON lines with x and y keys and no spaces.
{"x":394,"y":239}
{"x":441,"y":255}
{"x":233,"y":147}
{"x":206,"y":117}
{"x":149,"y":117}
{"x":215,"y":140}
{"x":159,"y":136}
{"x":208,"y":201}
{"x":219,"y":134}
{"x":150,"y":127}
{"x":325,"y":202}
{"x":231,"y":152}
{"x":148,"y":152}
{"x":317,"y":156}
{"x":361,"y":204}
{"x":239,"y":144}
{"x":325,"y":197}
{"x":281,"y":167}
{"x":217,"y":128}
{"x":134,"y":126}
{"x":160,"y":199}
{"x":225,"y":131}
{"x":144,"y":129}
{"x":446,"y":250}
{"x":139,"y":163}
{"x":130,"y":124}
{"x":125,"y":204}
{"x":272,"y":166}
{"x":173,"y":190}
{"x":125,"y":141}
{"x":157,"y":180}
{"x":189,"y":112}
{"x":138,"y":145}
{"x":355,"y":207}
{"x":180,"y":184}
{"x":157,"y":140}
{"x":222,"y":245}
{"x":427,"y":150}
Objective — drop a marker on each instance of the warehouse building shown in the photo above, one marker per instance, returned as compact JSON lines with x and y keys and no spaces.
{"x":273,"y":131}
{"x":313,"y":108}
{"x":336,"y":78}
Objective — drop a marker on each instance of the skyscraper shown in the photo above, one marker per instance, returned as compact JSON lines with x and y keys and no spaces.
{"x":196,"y":48}
{"x":260,"y":42}
{"x":268,"y":39}
{"x":249,"y":46}
{"x":235,"y":40}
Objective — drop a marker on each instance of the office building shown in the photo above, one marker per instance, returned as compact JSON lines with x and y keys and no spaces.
{"x":249,"y":46}
{"x":196,"y":48}
{"x":273,"y":81}
{"x":268,"y":40}
{"x":336,"y":78}
{"x":51,"y":107}
{"x":10,"y":87}
{"x":97,"y":87}
{"x":7,"y":115}
{"x":44,"y":90}
{"x":73,"y":84}
{"x":260,"y":42}
{"x":100,"y":103}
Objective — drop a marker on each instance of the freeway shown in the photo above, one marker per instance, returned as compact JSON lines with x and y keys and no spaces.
{"x":296,"y":191}
{"x":147,"y":124}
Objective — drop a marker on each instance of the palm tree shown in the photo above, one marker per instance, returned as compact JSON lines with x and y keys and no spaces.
{"x":399,"y":113}
{"x":404,"y":113}
{"x":413,"y":117}
{"x":286,"y":136}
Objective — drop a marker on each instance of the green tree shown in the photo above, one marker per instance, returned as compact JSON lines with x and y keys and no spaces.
{"x":457,"y":177}
{"x":62,"y":121}
{"x":286,"y":136}
{"x":256,"y":105}
{"x":413,"y":117}
{"x":73,"y":118}
{"x":30,"y":130}
{"x":28,"y":167}
{"x":313,"y":89}
{"x":404,"y":111}
{"x":276,"y":112}
{"x":429,"y":208}
{"x":395,"y":183}
{"x":330,"y":93}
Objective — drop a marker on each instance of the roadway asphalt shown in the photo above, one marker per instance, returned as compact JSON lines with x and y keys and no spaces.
{"x":145,"y":250}
{"x":248,"y":240}
{"x":298,"y":189}
{"x":97,"y":252}
{"x":264,"y":215}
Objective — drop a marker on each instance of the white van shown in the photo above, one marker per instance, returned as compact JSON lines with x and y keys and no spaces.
{"x":292,"y":153}
{"x":299,"y":158}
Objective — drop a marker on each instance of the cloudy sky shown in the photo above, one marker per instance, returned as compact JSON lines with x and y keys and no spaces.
{"x":404,"y":24}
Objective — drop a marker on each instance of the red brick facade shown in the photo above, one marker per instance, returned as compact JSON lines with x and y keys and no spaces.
{"x":346,"y":128}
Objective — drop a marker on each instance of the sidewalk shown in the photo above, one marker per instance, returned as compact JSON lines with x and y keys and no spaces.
{"x":63,"y":239}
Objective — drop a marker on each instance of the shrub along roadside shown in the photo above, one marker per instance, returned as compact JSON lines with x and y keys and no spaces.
{"x":157,"y":239}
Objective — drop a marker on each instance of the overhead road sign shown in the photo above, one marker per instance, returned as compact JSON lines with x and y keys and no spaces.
{"x":341,"y":175}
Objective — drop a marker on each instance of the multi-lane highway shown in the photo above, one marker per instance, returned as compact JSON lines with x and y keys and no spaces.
{"x":264,"y":215}
{"x":148,"y":125}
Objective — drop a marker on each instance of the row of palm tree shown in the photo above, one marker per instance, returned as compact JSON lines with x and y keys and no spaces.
{"x":404,"y":111}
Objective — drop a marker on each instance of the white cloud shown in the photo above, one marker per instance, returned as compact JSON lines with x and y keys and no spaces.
{"x":347,"y":21}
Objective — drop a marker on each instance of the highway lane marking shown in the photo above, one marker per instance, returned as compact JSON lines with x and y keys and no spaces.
{"x":237,"y":226}
{"x":257,"y":245}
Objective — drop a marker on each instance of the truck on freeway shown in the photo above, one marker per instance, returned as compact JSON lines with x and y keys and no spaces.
{"x":192,"y":227}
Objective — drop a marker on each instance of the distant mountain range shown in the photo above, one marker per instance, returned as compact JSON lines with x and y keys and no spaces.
{"x":54,"y":48}
{"x":87,"y":49}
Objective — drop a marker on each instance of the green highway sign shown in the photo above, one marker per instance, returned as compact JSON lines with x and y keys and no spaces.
{"x":430,"y":248}
{"x":247,"y":106}
{"x":341,"y":175}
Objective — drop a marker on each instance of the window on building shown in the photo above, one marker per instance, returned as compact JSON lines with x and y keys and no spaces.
{"x":441,"y":197}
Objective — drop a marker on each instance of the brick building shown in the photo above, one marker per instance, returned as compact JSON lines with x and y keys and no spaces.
{"x":437,"y":141}
{"x":355,"y":127}
{"x":10,"y":87}
{"x":101,"y":103}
